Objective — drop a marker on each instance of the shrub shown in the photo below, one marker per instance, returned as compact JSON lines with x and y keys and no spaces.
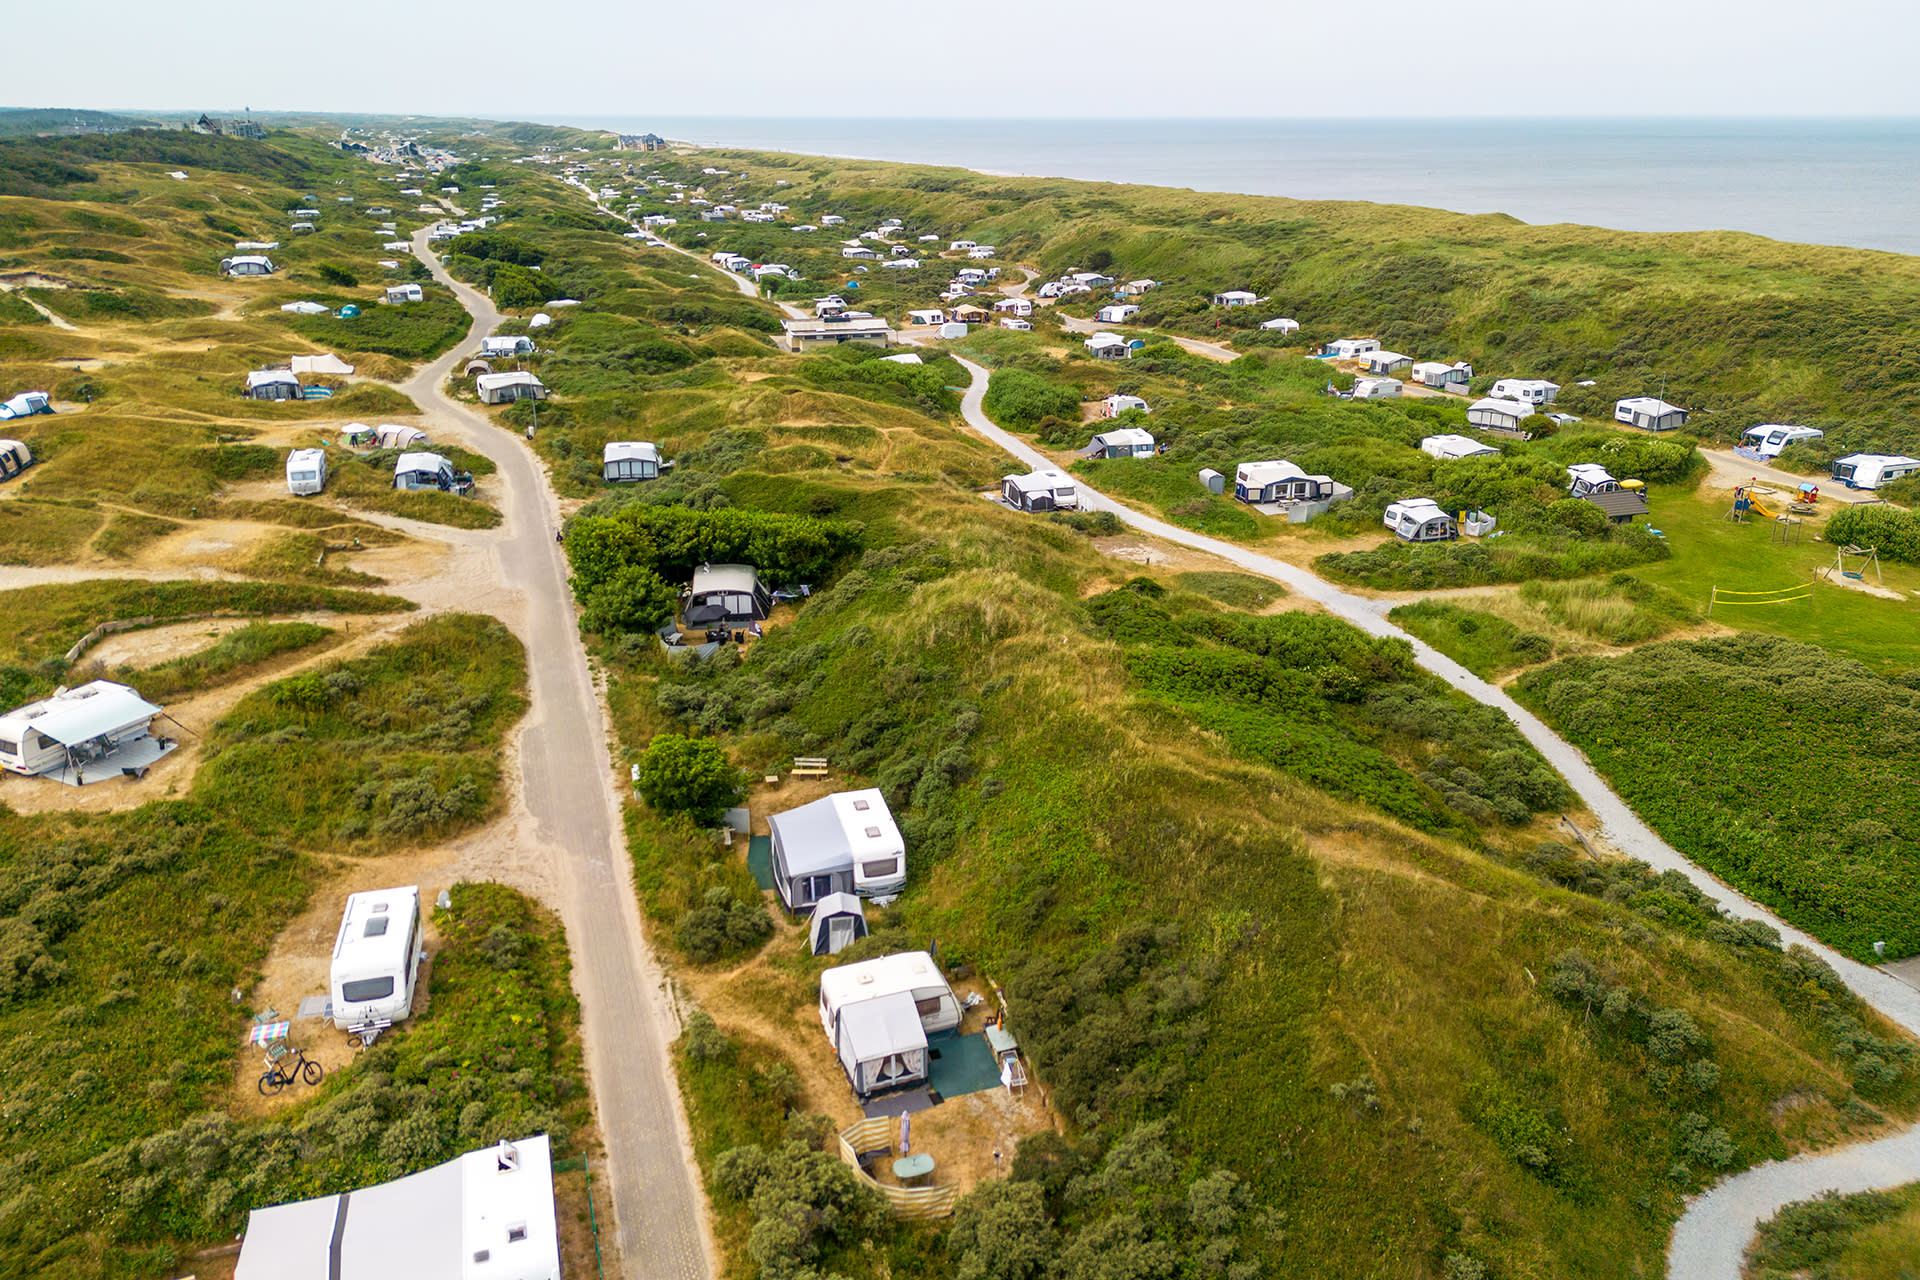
{"x":690,"y":776}
{"x":335,"y":274}
{"x":1020,"y":398}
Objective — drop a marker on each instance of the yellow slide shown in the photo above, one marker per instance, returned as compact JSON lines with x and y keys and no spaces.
{"x":1759,"y":509}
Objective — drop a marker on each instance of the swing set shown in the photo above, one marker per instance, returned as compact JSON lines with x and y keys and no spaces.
{"x":1868,"y":558}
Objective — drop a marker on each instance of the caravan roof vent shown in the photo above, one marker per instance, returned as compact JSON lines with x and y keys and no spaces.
{"x":376,"y":927}
{"x":378,"y":907}
{"x":481,"y":1255}
{"x":862,"y":805}
{"x":516,"y":1233}
{"x":507,"y":1156}
{"x":873,"y":833}
{"x":866,"y":977}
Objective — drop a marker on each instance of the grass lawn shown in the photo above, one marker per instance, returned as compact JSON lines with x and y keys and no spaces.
{"x":1708,"y":550}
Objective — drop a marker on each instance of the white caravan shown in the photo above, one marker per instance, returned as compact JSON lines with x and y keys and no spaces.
{"x":376,"y":957}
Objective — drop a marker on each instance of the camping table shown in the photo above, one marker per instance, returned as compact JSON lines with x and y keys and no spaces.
{"x":914,"y":1169}
{"x":268,"y":1031}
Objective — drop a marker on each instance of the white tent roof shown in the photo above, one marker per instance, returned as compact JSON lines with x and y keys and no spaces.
{"x":1106,"y":340}
{"x":1494,"y":404}
{"x":270,"y":377}
{"x":1261,"y":474}
{"x":1045,"y":480}
{"x":621,"y":450}
{"x":518,"y":378}
{"x":881,"y":1027}
{"x":82,"y":714}
{"x":1653,"y":405}
{"x":1591,"y":472}
{"x":902,"y":972}
{"x":304,"y":308}
{"x":1126,"y":435}
{"x":1766,"y":429}
{"x":427,"y":1226}
{"x":325,"y":362}
{"x":1452,"y":446}
{"x":419,"y":462}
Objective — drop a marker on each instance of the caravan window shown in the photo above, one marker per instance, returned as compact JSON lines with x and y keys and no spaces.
{"x":887,"y":868}
{"x":9,"y":748}
{"x":928,"y":1007}
{"x":366,"y":989}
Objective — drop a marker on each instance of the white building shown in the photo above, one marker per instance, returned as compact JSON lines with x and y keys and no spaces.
{"x":629,"y":460}
{"x":878,"y":1014}
{"x":487,"y":1215}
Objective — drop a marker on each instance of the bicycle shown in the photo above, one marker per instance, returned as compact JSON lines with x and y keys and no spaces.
{"x":287,"y":1066}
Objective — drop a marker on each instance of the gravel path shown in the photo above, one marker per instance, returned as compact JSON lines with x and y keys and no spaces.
{"x":627,"y":1019}
{"x":1710,"y":1240}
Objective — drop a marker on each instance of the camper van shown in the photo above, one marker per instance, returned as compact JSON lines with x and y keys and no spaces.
{"x":1769,"y":438}
{"x":376,"y":957}
{"x":98,"y":727}
{"x":1871,"y":470}
{"x":306,"y":472}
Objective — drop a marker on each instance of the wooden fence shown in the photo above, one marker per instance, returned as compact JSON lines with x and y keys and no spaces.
{"x":912,"y":1203}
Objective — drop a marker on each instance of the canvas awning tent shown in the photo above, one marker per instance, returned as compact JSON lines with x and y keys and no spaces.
{"x":26,"y":404}
{"x":304,"y":308}
{"x":839,"y":920}
{"x":393,"y":436}
{"x":83,"y":735}
{"x":1453,"y":446}
{"x":325,"y":362}
{"x":729,"y":594}
{"x":882,"y":1044}
{"x":487,"y":1214}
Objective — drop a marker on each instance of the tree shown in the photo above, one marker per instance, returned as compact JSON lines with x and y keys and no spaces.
{"x":1001,"y":1232}
{"x":633,"y":599}
{"x":689,"y":775}
{"x":337,"y":275}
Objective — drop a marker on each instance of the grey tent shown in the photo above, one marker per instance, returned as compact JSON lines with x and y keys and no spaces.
{"x":726,"y":595}
{"x":811,"y":857}
{"x":881,"y":1044}
{"x":839,"y":921}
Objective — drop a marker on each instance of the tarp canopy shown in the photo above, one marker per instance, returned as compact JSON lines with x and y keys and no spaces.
{"x":325,"y":362}
{"x":880,"y":1027}
{"x":83,"y":714}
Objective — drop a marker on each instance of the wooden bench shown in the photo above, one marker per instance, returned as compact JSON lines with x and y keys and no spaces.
{"x":810,"y":767}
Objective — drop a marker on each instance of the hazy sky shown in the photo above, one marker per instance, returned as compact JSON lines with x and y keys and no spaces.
{"x":1127,"y":58}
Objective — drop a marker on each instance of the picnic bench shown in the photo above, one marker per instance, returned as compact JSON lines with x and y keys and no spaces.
{"x":810,"y":767}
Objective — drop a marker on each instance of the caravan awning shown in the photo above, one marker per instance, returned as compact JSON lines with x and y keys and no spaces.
{"x":881,"y":1027}
{"x":83,"y":714}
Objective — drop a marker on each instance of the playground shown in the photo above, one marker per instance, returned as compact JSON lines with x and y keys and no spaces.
{"x":1870,"y":617}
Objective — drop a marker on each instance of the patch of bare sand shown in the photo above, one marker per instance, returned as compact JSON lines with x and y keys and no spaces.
{"x":155,"y":645}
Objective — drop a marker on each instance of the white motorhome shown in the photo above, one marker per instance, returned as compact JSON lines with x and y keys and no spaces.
{"x":1871,"y":470}
{"x":376,"y":957}
{"x":878,"y":1014}
{"x":306,"y":472}
{"x":1769,"y":438}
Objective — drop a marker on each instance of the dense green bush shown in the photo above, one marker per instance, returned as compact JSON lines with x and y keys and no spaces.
{"x":1780,"y":767}
{"x":673,"y":541}
{"x":1802,"y":1239}
{"x":1400,"y":566}
{"x":1019,"y":398}
{"x":689,"y":775}
{"x":1893,"y":530}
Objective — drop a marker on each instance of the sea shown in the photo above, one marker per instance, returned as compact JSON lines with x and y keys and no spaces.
{"x":1852,"y":182}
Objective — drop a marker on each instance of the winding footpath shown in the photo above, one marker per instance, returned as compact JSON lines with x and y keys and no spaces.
{"x":568,"y":794}
{"x":1712,"y":1237}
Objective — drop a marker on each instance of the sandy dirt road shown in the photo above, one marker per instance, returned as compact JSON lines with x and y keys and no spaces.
{"x":1712,"y":1237}
{"x":566,"y":810}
